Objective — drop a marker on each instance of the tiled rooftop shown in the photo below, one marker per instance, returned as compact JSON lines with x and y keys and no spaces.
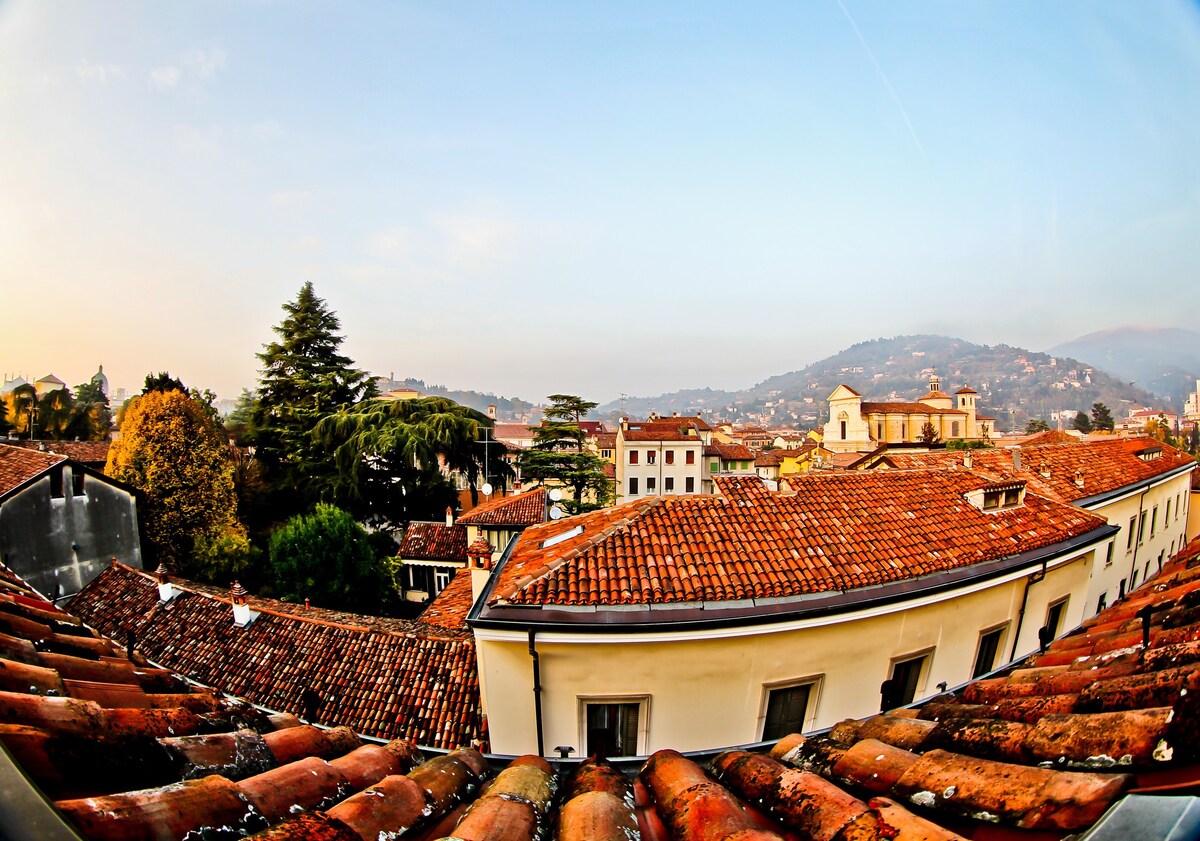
{"x":450,"y":608}
{"x":125,"y":751}
{"x":394,"y":680}
{"x":1050,"y":469}
{"x":523,"y":509}
{"x":730,"y":452}
{"x":903,"y":408}
{"x":18,"y":465}
{"x":836,"y":532}
{"x":434,"y":542}
{"x":87,"y":452}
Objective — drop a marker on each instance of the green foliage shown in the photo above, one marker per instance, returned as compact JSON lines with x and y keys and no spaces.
{"x":327,"y":557}
{"x":228,"y":556}
{"x":959,"y":444}
{"x":303,"y":378}
{"x":1082,"y":422}
{"x":1102,"y":418}
{"x":1035,"y":426}
{"x":5,"y":426}
{"x":163,"y":381}
{"x":24,"y":408}
{"x":173,"y":453}
{"x":1194,"y":440}
{"x":558,"y":455}
{"x":929,"y":433}
{"x":93,"y":414}
{"x":240,"y":422}
{"x":393,"y":458}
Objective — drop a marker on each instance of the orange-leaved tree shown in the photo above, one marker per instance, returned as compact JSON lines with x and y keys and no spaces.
{"x":172,"y":451}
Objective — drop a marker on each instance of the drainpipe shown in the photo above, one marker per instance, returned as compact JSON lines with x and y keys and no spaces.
{"x":1033,"y":579}
{"x":537,"y":690}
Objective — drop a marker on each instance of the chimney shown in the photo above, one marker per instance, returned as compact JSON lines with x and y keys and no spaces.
{"x":1079,"y":478}
{"x":166,"y":591}
{"x":479,"y":560}
{"x":968,"y":460}
{"x":1016,"y":461}
{"x":449,"y":516}
{"x":242,"y":615}
{"x":1044,"y":470}
{"x":491,"y":411}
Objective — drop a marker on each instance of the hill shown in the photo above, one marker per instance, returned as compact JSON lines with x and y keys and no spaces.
{"x":1164,"y":361}
{"x":506,"y":407}
{"x":1030,"y":384}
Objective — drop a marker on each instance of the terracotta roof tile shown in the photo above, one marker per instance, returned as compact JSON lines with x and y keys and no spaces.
{"x":905,"y":408}
{"x":85,"y":452}
{"x":434,"y":541}
{"x":523,"y":509}
{"x":18,"y":465}
{"x":836,"y":532}
{"x":450,"y":608}
{"x":729,"y":452}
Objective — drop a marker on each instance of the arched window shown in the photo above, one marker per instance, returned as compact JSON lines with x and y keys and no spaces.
{"x":954,"y":430}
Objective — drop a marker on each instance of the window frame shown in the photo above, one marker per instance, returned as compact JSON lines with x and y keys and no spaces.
{"x":633,"y":456}
{"x":643,"y":725}
{"x":633,"y":486}
{"x":1000,"y":631}
{"x":1059,"y":604}
{"x":926,"y":656}
{"x":814,"y":684}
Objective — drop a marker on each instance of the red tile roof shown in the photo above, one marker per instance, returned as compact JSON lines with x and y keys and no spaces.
{"x":523,"y":509}
{"x":393,"y":679}
{"x":434,"y":542}
{"x":660,"y":433}
{"x":1050,"y":436}
{"x":729,"y":452}
{"x":1039,"y":752}
{"x":513,"y":431}
{"x":18,"y":465}
{"x":837,"y":532}
{"x":902,"y":408}
{"x":1105,"y":465}
{"x":450,"y":608}
{"x":86,"y":452}
{"x":606,"y":440}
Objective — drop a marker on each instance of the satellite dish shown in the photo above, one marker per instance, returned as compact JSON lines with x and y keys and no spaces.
{"x":555,"y":494}
{"x":557,"y":513}
{"x":487,"y":489}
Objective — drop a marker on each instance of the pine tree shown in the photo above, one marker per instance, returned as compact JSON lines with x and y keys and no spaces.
{"x":1102,"y":418}
{"x":1082,"y":422}
{"x":173,"y":453}
{"x":303,"y":378}
{"x":558,"y":455}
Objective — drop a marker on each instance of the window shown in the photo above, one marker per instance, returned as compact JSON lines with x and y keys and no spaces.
{"x":903,"y":432}
{"x":669,"y":484}
{"x":879,"y":432}
{"x":56,"y":484}
{"x":1108,"y":558}
{"x":689,"y":484}
{"x":1133,"y":580}
{"x":614,"y":728}
{"x":650,"y":454}
{"x":901,"y":688}
{"x":715,"y":467}
{"x":1167,"y":516}
{"x":1011,"y":497}
{"x":670,"y":456}
{"x":77,"y":482}
{"x":1054,"y":617}
{"x":1176,"y":506}
{"x":1132,"y":529}
{"x":441,"y":580}
{"x":985,"y":656}
{"x":633,"y":457}
{"x":633,"y":486}
{"x":606,"y":454}
{"x":650,"y":484}
{"x":1102,"y":603}
{"x":690,"y":458}
{"x":1154,"y":521}
{"x":954,"y":429}
{"x":843,"y":426}
{"x":1141,"y":526}
{"x":787,"y":710}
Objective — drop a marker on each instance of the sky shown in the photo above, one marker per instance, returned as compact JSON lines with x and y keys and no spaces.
{"x":594,"y":198}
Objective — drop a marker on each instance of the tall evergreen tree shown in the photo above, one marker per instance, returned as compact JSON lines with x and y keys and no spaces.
{"x":1102,"y":418}
{"x":1082,"y":422}
{"x":559,"y":456}
{"x":303,"y":378}
{"x":5,"y":426}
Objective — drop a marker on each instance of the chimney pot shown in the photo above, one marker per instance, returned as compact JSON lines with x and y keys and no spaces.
{"x":241,"y":606}
{"x":449,"y":516}
{"x":1079,"y":478}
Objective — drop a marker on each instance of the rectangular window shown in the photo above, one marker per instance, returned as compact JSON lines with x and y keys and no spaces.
{"x":690,"y":458}
{"x":715,"y":467}
{"x":901,"y":688}
{"x":1102,"y":603}
{"x":441,"y":580}
{"x":689,"y":484}
{"x":787,"y":710}
{"x":1132,"y":529}
{"x":985,"y":656}
{"x":614,"y":728}
{"x":650,"y":456}
{"x":669,"y":484}
{"x":1054,"y":618}
{"x":77,"y":482}
{"x":1108,"y":558}
{"x":56,"y":484}
{"x":650,"y":484}
{"x":1167,"y":515}
{"x":633,"y":456}
{"x":633,"y":489}
{"x":606,"y":454}
{"x":1154,"y":521}
{"x":1141,"y":527}
{"x":670,"y":456}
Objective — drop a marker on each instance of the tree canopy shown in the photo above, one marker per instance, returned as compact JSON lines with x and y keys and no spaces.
{"x":1102,"y":418}
{"x":559,"y":455}
{"x":394,"y":458}
{"x":1082,"y":422}
{"x":326,"y":556}
{"x":303,"y":378}
{"x":171,"y":450}
{"x":1035,"y":426}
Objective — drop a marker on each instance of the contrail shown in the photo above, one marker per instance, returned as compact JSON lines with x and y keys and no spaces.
{"x":887,"y":84}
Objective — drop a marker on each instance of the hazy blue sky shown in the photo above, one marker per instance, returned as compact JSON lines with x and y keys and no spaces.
{"x":595,"y":198}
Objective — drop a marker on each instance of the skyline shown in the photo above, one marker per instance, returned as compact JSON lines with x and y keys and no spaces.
{"x":535,"y":199}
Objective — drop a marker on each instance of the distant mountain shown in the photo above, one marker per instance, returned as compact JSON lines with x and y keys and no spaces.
{"x":506,"y":407}
{"x":1032,"y":385}
{"x":1164,"y":361}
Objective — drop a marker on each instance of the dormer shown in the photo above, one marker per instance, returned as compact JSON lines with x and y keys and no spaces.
{"x":999,"y":496}
{"x":1149,"y":453}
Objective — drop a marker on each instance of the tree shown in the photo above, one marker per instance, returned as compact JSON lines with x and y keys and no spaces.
{"x":173,"y":453}
{"x":1082,"y":422}
{"x":5,"y":426}
{"x":394,"y":458}
{"x":1102,"y":418}
{"x":558,"y":455}
{"x":163,"y":381}
{"x":303,"y":378}
{"x":1035,"y":426}
{"x":325,"y":556}
{"x":25,"y":403}
{"x":929,"y":433}
{"x":1194,"y":440}
{"x":92,"y":420}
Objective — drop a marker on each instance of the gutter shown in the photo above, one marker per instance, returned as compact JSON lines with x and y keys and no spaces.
{"x":1128,"y":490}
{"x":695,"y":616}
